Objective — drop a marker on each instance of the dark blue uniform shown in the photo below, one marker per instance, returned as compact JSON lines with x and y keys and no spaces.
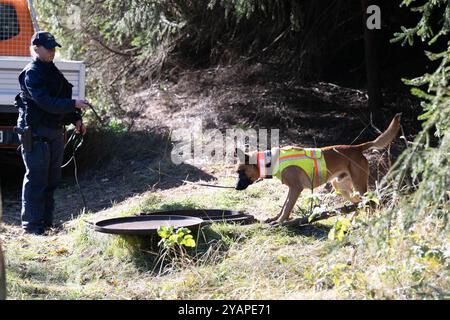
{"x":47,"y":97}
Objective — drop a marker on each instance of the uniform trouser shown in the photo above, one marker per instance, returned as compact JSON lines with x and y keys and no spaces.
{"x":43,"y":173}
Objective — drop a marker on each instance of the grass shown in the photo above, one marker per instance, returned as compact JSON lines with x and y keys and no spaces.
{"x":230,"y":261}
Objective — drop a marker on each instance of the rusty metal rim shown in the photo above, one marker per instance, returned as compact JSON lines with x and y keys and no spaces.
{"x":209,"y":215}
{"x":117,"y":225}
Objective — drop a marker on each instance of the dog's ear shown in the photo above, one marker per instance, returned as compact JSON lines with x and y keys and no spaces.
{"x":243,"y":158}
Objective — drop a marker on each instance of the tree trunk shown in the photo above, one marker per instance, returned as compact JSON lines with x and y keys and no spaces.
{"x":372,"y":66}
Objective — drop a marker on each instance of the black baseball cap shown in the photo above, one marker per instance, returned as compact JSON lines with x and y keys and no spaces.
{"x":46,"y":39}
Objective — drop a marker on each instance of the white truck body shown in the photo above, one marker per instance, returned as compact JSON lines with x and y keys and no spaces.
{"x":11,"y":67}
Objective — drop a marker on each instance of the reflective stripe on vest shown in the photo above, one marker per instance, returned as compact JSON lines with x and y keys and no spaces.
{"x":264,"y":160}
{"x":310,"y":160}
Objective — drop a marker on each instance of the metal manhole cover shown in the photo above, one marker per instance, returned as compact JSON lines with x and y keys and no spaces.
{"x":144,"y":225}
{"x":209,"y":216}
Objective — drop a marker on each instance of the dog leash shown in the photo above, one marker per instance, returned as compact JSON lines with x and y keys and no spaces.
{"x":78,"y":140}
{"x":215,"y":186}
{"x":207,"y":185}
{"x":96,"y":114}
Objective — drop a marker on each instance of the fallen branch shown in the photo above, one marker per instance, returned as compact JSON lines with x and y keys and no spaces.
{"x":121,"y":53}
{"x":322,"y":215}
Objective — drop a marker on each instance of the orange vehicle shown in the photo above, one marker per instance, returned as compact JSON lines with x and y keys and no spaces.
{"x":17,"y":25}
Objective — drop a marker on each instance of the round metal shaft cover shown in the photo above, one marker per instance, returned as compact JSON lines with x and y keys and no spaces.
{"x":209,"y":215}
{"x":145,"y":225}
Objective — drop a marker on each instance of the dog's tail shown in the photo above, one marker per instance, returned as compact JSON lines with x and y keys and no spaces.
{"x":386,"y":137}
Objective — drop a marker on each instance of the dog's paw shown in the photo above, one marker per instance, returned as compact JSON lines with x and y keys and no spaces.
{"x":277,"y":223}
{"x":274,"y":224}
{"x":270,"y":220}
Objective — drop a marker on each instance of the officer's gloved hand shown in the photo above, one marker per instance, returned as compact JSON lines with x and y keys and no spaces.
{"x":81,"y":104}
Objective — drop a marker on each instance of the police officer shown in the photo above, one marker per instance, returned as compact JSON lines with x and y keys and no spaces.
{"x":46,"y":106}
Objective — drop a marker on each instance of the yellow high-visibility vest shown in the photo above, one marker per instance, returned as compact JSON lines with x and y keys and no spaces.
{"x":310,"y":160}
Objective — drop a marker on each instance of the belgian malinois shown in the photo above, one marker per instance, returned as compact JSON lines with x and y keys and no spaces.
{"x":343,"y":165}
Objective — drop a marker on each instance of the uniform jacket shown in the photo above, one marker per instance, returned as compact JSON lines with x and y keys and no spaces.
{"x":46,"y":96}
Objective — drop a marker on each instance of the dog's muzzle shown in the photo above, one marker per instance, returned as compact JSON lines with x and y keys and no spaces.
{"x":243,"y":181}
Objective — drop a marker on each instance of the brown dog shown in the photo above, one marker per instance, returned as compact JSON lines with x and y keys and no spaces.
{"x":346,"y":168}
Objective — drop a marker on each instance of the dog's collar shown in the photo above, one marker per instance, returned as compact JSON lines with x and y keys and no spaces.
{"x":264,"y":160}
